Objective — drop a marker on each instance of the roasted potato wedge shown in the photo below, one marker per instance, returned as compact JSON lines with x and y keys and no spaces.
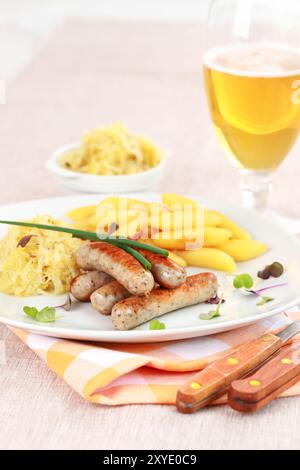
{"x":243,"y":250}
{"x":210,"y":258}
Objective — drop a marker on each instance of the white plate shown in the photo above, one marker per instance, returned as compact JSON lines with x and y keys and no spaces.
{"x":85,"y":324}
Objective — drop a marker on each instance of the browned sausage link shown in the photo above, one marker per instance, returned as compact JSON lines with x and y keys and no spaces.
{"x":83,"y":285}
{"x":119,"y":264}
{"x":106,"y":297}
{"x":134,"y":311}
{"x":165,"y":271}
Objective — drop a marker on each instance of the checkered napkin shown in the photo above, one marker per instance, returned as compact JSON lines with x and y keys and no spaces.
{"x":118,"y":374}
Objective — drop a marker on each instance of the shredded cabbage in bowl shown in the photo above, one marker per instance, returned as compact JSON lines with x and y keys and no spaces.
{"x":45,"y":265}
{"x":112,"y":150}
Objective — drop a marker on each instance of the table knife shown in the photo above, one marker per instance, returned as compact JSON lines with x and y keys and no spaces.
{"x":259,"y":389}
{"x":213,"y":381}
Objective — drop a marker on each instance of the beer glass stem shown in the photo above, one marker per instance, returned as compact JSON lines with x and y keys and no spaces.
{"x":255,"y":187}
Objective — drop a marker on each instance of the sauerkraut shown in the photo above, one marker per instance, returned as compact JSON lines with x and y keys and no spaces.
{"x":45,"y":265}
{"x":112,"y":150}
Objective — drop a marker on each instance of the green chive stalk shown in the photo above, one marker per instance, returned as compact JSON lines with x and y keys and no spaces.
{"x":123,"y":243}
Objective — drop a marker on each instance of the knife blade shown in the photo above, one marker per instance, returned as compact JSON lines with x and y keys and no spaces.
{"x":212,"y":382}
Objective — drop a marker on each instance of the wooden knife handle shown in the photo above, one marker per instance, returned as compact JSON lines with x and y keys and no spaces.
{"x":213,"y":381}
{"x":267,"y":383}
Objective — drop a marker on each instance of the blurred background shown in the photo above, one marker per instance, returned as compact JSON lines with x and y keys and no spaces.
{"x":71,"y":65}
{"x":25,"y":23}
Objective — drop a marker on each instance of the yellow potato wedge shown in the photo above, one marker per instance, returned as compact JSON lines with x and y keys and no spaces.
{"x":169,"y":199}
{"x":175,"y":220}
{"x":147,"y":241}
{"x":210,"y":258}
{"x":171,"y":221}
{"x":172,"y":199}
{"x":214,"y":236}
{"x":243,"y":250}
{"x":177,"y":244}
{"x":116,"y":202}
{"x":177,"y":259}
{"x":179,"y":240}
{"x":81,"y":213}
{"x":208,"y":218}
{"x":186,"y":212}
{"x":133,"y":231}
{"x":173,"y":256}
{"x":188,"y":234}
{"x":82,"y":224}
{"x":211,"y":219}
{"x":155,"y":207}
{"x":237,"y":231}
{"x":104,"y":221}
{"x":122,"y":217}
{"x":164,"y":219}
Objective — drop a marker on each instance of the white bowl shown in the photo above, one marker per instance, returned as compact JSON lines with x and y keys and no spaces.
{"x":87,"y":183}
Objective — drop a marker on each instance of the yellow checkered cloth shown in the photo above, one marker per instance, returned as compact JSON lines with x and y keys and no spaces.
{"x":117,"y":374}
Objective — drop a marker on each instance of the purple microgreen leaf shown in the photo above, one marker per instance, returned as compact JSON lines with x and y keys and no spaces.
{"x":260,"y":291}
{"x":215,"y":300}
{"x":25,"y":240}
{"x":213,"y":313}
{"x":67,"y":305}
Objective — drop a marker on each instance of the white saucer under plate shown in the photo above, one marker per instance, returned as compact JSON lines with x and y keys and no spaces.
{"x":83,"y":323}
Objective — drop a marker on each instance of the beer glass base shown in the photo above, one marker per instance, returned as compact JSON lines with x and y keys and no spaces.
{"x":255,"y":187}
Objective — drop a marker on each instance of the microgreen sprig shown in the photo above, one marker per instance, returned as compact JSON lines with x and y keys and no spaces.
{"x":45,"y":315}
{"x":264,"y":300}
{"x":157,"y":325}
{"x":260,"y":291}
{"x":213,"y":313}
{"x":245,"y":283}
{"x":243,"y":280}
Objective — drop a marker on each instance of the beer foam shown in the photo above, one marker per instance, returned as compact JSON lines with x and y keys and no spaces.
{"x":257,"y":60}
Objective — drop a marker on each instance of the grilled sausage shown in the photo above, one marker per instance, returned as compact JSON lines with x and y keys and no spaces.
{"x":165,"y":271}
{"x":117,"y":263}
{"x":83,"y":285}
{"x":106,"y":297}
{"x":134,"y":311}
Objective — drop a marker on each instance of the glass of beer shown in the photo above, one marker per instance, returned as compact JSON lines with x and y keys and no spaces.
{"x":252,"y":79}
